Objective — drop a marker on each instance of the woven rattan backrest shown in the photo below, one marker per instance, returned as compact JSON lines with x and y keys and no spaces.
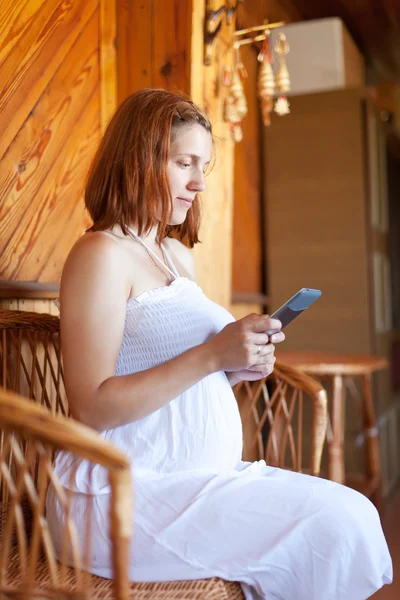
{"x":30,"y":358}
{"x":280,"y":416}
{"x":30,"y":365}
{"x":28,"y":557}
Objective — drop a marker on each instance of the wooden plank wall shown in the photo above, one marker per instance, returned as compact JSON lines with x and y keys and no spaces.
{"x":167,"y":51}
{"x":247,"y":246}
{"x":153,"y":45}
{"x":214,"y":254}
{"x":52,"y":107}
{"x":41,"y":118}
{"x":48,"y":138}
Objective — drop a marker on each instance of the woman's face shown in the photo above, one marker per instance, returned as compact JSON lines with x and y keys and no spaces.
{"x":189,"y":155}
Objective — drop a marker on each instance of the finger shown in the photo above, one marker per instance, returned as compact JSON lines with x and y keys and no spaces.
{"x":265,"y":369}
{"x":259,"y":368}
{"x":277,"y":338}
{"x":264,"y":350}
{"x":267,"y":360}
{"x":260,"y":350}
{"x":260,"y":339}
{"x":273,"y":326}
{"x":260,"y":323}
{"x":267,"y":350}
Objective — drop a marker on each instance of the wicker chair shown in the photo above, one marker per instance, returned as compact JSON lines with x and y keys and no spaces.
{"x":30,"y":358}
{"x":278,"y":426}
{"x":272,"y":413}
{"x":30,"y":435}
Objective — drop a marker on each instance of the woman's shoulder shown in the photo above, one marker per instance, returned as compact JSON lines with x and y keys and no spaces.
{"x":93,"y":267}
{"x":94,"y":248}
{"x":94,"y":242}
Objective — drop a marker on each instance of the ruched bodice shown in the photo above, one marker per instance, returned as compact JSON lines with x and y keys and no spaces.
{"x":200,"y":428}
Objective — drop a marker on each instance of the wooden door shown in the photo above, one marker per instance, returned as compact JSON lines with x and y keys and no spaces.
{"x":316,"y":220}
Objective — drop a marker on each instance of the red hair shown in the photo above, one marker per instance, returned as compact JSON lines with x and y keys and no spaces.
{"x":128,"y":181}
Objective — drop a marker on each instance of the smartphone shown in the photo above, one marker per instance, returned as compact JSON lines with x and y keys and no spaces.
{"x":295,"y":306}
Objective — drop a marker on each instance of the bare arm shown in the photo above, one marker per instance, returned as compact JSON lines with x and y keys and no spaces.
{"x":93,"y":309}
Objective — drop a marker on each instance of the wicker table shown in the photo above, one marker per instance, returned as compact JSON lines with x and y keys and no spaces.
{"x":341,"y":369}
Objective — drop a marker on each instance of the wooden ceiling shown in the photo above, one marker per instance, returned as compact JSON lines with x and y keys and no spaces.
{"x":373,"y":24}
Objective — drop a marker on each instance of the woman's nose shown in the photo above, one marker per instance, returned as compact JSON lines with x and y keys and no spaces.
{"x":198,"y":183}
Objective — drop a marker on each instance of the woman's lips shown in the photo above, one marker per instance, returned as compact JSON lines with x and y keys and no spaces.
{"x":186,"y":201}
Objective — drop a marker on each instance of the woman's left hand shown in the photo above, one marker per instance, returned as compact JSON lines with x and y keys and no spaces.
{"x":259,"y":371}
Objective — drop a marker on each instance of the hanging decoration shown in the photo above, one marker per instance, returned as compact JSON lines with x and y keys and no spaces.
{"x":235,"y":108}
{"x":266,"y":80}
{"x":282,"y":78}
{"x":269,"y":83}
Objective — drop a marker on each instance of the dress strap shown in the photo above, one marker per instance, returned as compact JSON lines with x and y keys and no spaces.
{"x":174,"y":273}
{"x":174,"y":269}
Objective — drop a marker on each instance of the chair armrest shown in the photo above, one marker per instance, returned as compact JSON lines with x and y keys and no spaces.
{"x":38,"y":423}
{"x":272,"y":418}
{"x":29,"y":436}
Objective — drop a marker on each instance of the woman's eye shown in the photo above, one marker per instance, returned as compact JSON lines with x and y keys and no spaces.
{"x":185,"y":165}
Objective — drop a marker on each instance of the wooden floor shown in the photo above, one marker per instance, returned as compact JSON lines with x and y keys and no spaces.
{"x":391,"y":526}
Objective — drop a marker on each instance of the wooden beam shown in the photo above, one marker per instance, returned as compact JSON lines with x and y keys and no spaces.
{"x":28,"y":289}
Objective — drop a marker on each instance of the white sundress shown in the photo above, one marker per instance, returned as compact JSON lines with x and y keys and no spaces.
{"x":200,"y":511}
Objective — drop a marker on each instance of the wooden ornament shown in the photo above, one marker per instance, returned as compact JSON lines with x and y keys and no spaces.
{"x":237,"y":132}
{"x":282,"y":106}
{"x":282,"y":78}
{"x":236,"y":90}
{"x":242,"y":70}
{"x":232,"y":116}
{"x":227,"y":76}
{"x":230,"y":112}
{"x":266,"y":85}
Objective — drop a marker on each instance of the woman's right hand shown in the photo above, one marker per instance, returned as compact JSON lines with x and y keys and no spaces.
{"x":243,"y":343}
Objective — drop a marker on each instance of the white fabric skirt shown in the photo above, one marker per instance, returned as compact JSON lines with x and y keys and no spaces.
{"x":283,"y":535}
